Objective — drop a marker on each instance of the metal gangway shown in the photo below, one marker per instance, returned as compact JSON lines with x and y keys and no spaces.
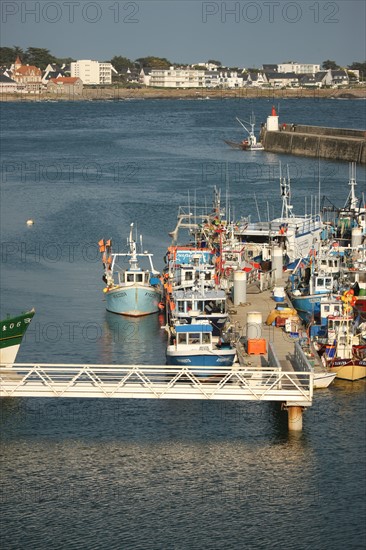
{"x":237,"y":383}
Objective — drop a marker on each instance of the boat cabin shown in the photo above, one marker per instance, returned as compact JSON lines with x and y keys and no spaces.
{"x":200,"y":305}
{"x":133,"y":277}
{"x":323,"y":284}
{"x":196,"y":335}
{"x":187,"y":275}
{"x":330,"y":264}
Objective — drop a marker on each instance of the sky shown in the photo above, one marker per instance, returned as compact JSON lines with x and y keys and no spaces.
{"x":237,"y":33}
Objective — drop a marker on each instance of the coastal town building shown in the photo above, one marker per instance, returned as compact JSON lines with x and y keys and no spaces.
{"x":70,"y":85}
{"x":177,"y":78}
{"x":298,"y":68}
{"x":283,"y":80}
{"x":55,"y":71}
{"x":223,"y":79}
{"x":92,"y":72}
{"x":255,"y":79}
{"x":7,"y":85}
{"x":27,"y":77}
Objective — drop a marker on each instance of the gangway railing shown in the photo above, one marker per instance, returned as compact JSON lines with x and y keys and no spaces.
{"x":155,"y":381}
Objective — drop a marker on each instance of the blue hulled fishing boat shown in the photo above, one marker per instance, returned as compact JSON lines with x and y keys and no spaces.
{"x":130,"y":290}
{"x":193,"y":345}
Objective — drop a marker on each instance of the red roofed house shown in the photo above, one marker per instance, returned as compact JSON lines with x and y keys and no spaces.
{"x":65,"y":85}
{"x":27,"y":77}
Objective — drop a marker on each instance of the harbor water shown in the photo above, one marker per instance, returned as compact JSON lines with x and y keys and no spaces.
{"x":152,"y":474}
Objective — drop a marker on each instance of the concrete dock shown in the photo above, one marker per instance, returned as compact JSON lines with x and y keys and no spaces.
{"x":283,"y":343}
{"x":314,"y":141}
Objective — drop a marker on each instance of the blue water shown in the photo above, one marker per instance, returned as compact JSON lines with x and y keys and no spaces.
{"x":145,"y":474}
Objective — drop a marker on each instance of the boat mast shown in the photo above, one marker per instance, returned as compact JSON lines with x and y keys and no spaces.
{"x":133,"y":260}
{"x":352,"y":200}
{"x":285,"y":186}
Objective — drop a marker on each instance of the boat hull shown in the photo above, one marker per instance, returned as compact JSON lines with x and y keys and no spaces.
{"x":133,"y":301}
{"x":323,"y":380}
{"x":306,"y":306}
{"x":12,"y":332}
{"x":349,"y":369}
{"x":219,"y":358}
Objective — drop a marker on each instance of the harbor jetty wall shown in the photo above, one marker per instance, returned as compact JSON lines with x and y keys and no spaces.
{"x":315,"y":141}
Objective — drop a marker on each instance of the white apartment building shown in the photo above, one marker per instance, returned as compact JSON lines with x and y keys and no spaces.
{"x":177,"y":78}
{"x":223,"y":79}
{"x":92,"y":72}
{"x":298,"y":68}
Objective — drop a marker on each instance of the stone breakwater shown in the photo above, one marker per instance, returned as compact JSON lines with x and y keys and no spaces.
{"x":314,"y":141}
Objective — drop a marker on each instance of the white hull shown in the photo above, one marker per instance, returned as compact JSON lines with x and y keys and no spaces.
{"x":323,"y":380}
{"x":8,"y":355}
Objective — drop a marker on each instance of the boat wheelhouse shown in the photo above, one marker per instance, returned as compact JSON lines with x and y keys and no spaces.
{"x":193,"y":345}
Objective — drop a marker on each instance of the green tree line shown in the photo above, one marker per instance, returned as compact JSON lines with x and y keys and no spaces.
{"x":41,"y":57}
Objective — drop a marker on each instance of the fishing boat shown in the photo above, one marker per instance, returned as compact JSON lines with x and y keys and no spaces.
{"x":307,"y":294}
{"x":348,"y":222}
{"x":344,"y":353}
{"x":250,"y":143}
{"x":198,"y":302}
{"x":193,"y":345}
{"x":130,"y":290}
{"x":12,"y":333}
{"x":297,"y":235}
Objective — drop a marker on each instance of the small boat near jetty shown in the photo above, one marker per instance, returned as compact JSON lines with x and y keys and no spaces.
{"x":130,"y":290}
{"x":12,"y":332}
{"x":250,"y":143}
{"x":194,"y":345}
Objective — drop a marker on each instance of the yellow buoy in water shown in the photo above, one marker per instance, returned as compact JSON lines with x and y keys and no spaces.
{"x":30,"y":222}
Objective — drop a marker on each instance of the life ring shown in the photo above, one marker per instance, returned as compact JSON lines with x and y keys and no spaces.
{"x":228,"y":271}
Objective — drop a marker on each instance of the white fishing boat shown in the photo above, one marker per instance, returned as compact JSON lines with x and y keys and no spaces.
{"x":250,"y":143}
{"x":297,"y":235}
{"x":130,"y":290}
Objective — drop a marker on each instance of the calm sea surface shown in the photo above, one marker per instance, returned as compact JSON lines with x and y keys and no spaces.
{"x":157,"y":474}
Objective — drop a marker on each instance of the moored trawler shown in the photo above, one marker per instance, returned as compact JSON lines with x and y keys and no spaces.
{"x":130,"y":290}
{"x":193,"y":345}
{"x":12,"y":332}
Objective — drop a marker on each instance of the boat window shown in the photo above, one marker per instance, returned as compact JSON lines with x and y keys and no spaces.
{"x":208,"y":308}
{"x":206,"y":338}
{"x":139,"y":277}
{"x":130,"y":278}
{"x":180,"y":305}
{"x":146,"y":277}
{"x":194,"y":337}
{"x":189,"y":305}
{"x":189,"y":276}
{"x":182,"y":338}
{"x":328,"y":282}
{"x":320,"y":282}
{"x":208,"y":276}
